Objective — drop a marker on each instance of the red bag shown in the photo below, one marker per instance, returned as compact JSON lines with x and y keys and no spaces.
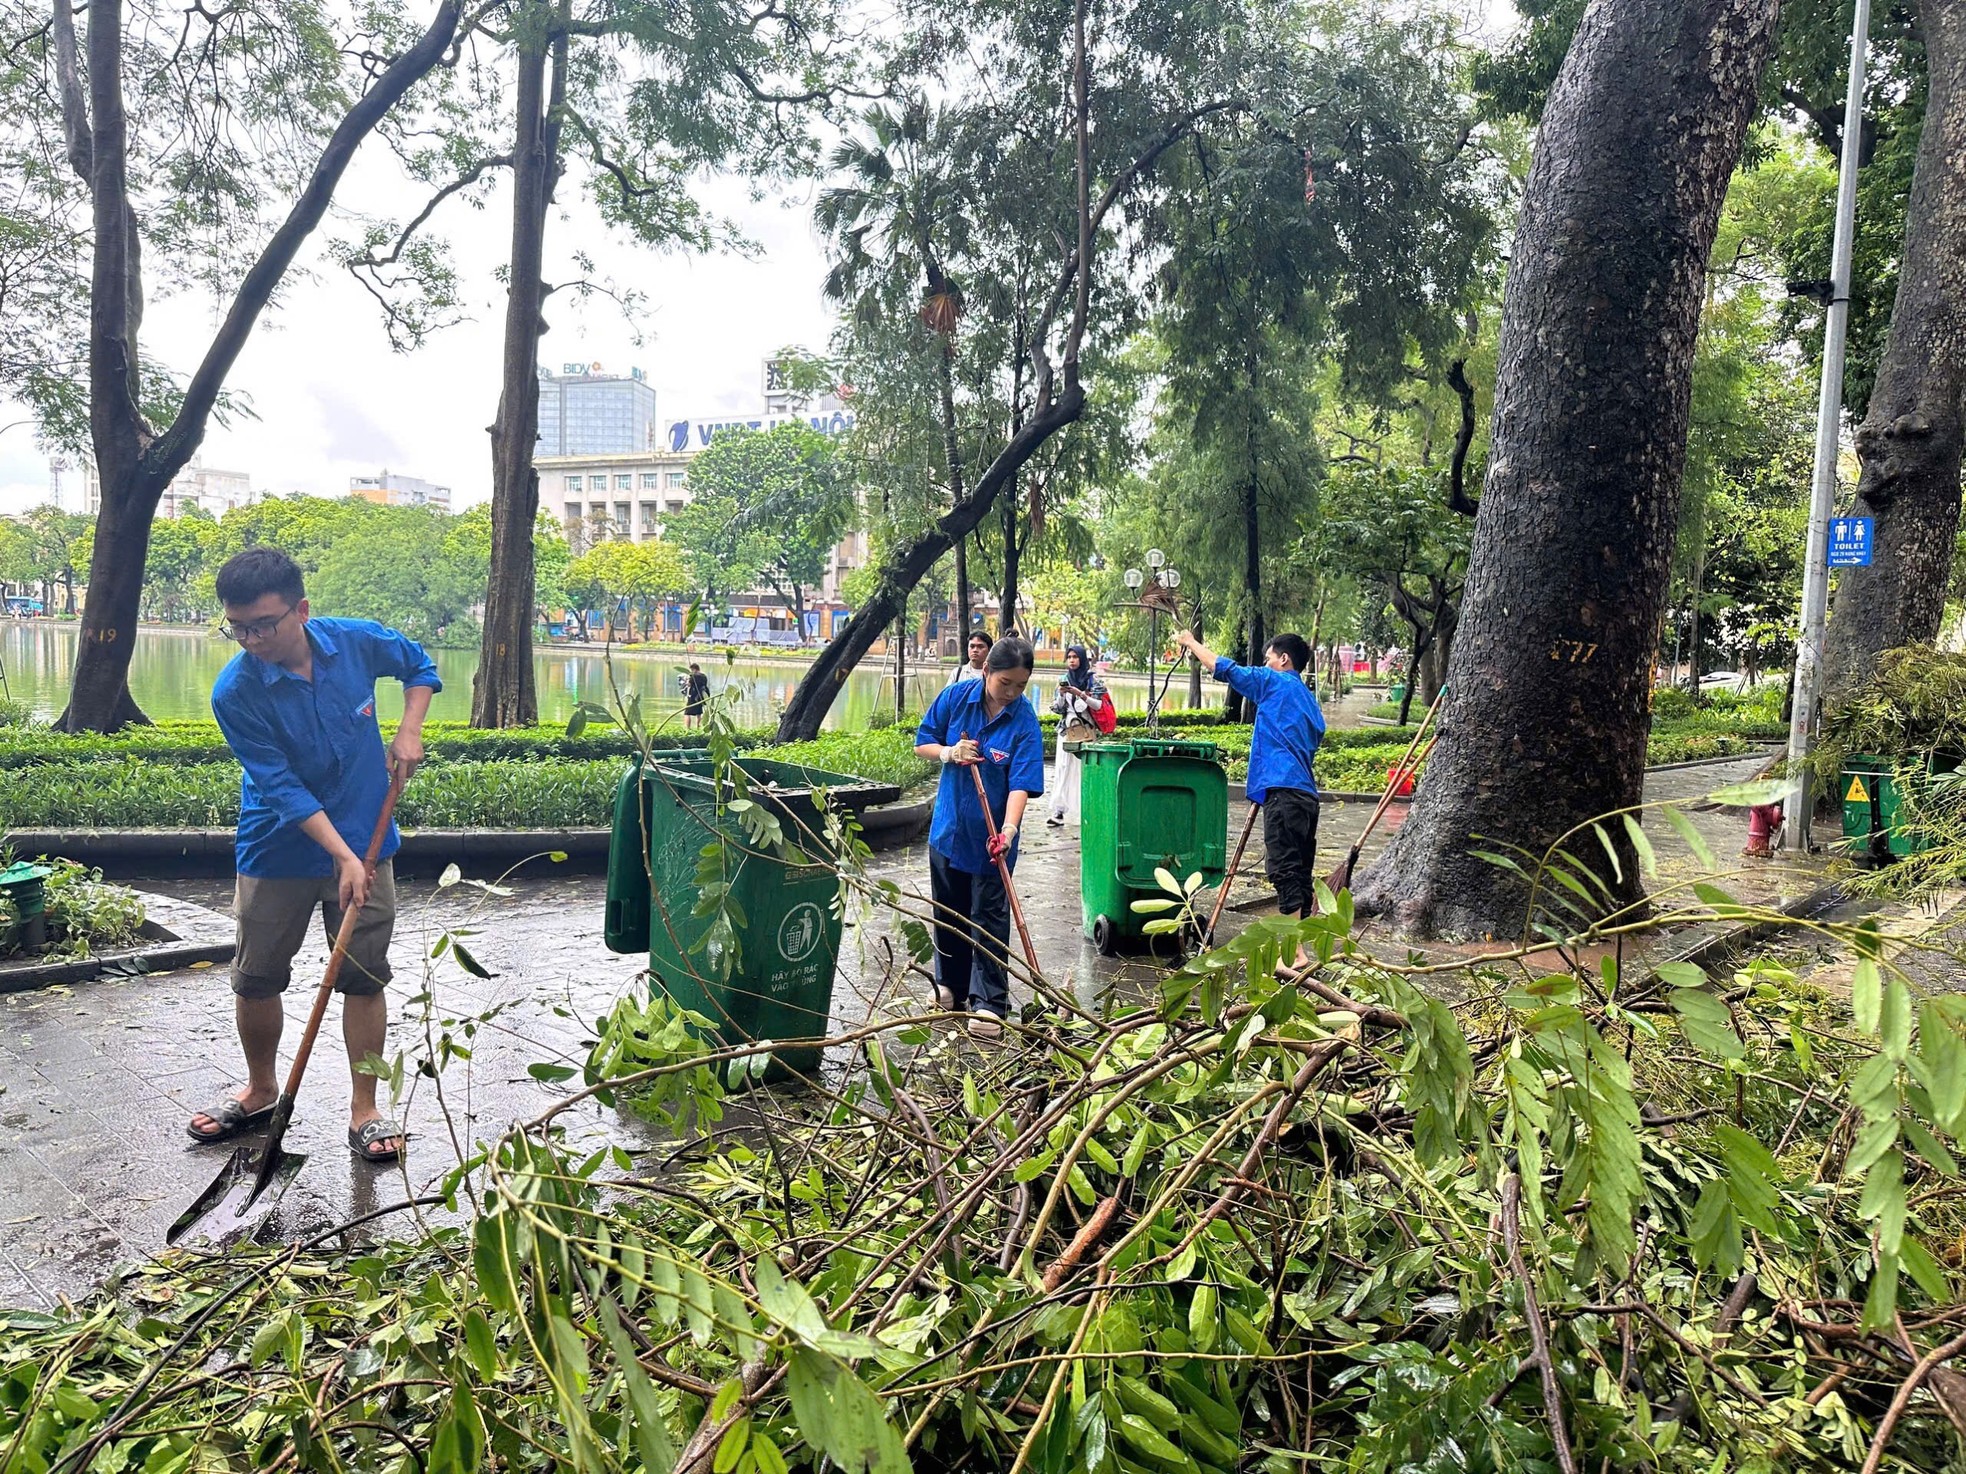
{"x":1104,"y":717}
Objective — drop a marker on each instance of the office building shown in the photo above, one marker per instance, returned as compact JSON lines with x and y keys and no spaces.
{"x":207,"y":488}
{"x":393,"y":489}
{"x":584,"y":410}
{"x":629,"y":498}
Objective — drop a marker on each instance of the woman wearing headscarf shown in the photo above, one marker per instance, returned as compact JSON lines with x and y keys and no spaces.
{"x":986,"y":725}
{"x":1080,"y":694}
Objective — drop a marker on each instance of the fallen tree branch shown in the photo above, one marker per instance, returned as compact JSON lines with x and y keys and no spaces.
{"x":1539,"y":1336}
{"x":1095,"y":1229}
{"x":1910,"y":1385}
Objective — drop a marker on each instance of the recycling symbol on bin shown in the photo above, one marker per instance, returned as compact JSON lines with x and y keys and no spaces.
{"x":799,"y":932}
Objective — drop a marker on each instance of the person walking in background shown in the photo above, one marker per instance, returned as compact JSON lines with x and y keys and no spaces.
{"x":1081,"y":704}
{"x":985,"y":723}
{"x":696,"y":692}
{"x":297,"y":707}
{"x":972,"y":667}
{"x":1282,"y":749}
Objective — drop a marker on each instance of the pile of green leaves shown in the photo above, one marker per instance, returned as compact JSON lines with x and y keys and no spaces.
{"x":1913,"y":708}
{"x":86,"y":915}
{"x":1596,"y":1218}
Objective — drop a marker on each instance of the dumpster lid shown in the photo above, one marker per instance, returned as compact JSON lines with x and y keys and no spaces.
{"x":1166,"y":747}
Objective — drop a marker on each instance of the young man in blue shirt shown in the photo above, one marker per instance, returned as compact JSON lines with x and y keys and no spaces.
{"x":986,"y":724}
{"x":297,"y":707}
{"x":1289,"y":727}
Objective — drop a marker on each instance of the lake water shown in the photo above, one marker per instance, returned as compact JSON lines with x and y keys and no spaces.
{"x":173,"y":670}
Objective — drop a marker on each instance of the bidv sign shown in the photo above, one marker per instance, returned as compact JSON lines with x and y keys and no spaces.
{"x":695,"y":434}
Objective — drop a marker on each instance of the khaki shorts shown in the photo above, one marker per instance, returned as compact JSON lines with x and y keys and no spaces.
{"x":272,"y":913}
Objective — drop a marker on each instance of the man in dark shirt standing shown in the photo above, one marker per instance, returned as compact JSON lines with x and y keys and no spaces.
{"x":297,"y":707}
{"x":696,"y":693}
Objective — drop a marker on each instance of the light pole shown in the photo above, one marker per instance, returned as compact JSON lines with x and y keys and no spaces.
{"x":1165,"y":580}
{"x":1822,"y":492}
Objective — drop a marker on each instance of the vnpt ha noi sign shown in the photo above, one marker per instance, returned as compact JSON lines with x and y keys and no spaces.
{"x":687,"y":435}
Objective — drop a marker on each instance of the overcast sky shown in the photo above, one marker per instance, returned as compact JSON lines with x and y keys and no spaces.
{"x":332,"y":400}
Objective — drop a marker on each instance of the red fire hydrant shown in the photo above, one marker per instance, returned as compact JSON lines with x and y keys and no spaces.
{"x":1764,"y":823}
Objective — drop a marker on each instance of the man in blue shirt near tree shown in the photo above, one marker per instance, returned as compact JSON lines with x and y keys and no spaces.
{"x":1289,"y":727}
{"x":297,"y":707}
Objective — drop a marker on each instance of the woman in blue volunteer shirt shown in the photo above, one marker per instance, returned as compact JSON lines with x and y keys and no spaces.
{"x":987,"y":724}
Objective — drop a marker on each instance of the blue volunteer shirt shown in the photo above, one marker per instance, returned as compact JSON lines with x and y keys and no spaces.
{"x":1013,"y":757}
{"x":313,"y":746}
{"x":1289,"y":726}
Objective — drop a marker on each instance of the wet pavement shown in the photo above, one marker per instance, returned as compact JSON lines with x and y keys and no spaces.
{"x":98,"y":1079}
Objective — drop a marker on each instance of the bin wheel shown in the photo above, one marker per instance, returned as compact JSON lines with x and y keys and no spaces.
{"x":1102,"y":936}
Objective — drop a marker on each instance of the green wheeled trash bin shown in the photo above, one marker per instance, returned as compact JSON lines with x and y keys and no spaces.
{"x":1146,"y":803}
{"x":780,"y":986}
{"x":1874,"y":827}
{"x":24,"y":905}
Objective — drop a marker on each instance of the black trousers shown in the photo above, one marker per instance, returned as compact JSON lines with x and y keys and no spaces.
{"x":1290,"y":847}
{"x":970,"y":955}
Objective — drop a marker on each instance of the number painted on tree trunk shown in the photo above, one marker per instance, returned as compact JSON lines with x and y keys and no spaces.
{"x":100,"y":637}
{"x":1572,"y":652}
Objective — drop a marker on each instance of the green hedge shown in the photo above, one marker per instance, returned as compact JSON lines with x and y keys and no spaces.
{"x":543,"y":779}
{"x":445,"y":742}
{"x":124,"y":792}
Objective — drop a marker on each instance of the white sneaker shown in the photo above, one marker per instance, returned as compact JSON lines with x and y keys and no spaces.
{"x":945,"y":999}
{"x":985,"y":1027}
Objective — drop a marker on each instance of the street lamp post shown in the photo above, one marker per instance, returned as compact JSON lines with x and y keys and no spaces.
{"x":1822,"y":492}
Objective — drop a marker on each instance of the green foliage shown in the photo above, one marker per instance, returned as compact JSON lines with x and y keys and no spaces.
{"x":1118,"y":1244}
{"x":771,"y":506}
{"x":86,"y":915}
{"x":885,"y":756}
{"x":623,"y":577}
{"x":1913,"y":707}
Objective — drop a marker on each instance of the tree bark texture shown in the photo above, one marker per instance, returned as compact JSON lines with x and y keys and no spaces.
{"x":503,"y":692}
{"x":1914,"y":431}
{"x":1545,"y":720}
{"x":134,"y":461}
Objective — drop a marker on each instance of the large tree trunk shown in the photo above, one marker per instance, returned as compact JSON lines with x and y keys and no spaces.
{"x":1545,"y":720}
{"x":1915,"y":429}
{"x":503,"y":693}
{"x":135,"y":462}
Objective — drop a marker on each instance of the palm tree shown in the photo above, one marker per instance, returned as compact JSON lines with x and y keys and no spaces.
{"x":898,"y":216}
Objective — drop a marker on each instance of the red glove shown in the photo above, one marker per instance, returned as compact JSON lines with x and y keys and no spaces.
{"x":1000,"y":842}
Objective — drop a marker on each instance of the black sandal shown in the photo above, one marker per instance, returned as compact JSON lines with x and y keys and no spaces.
{"x":362,"y":1140}
{"x":233,"y":1120}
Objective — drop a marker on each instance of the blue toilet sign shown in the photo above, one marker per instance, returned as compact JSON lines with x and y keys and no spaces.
{"x":1851,"y":541}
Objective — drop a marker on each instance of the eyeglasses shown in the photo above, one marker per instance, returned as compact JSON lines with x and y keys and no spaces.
{"x":254,"y":629}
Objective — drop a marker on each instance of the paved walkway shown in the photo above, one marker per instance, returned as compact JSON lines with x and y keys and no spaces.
{"x":98,"y":1079}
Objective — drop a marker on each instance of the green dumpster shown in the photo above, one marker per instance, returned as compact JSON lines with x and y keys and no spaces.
{"x":1147,"y":803}
{"x":24,"y":906}
{"x":788,"y":935}
{"x":1874,"y":826}
{"x":1397,"y":692}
